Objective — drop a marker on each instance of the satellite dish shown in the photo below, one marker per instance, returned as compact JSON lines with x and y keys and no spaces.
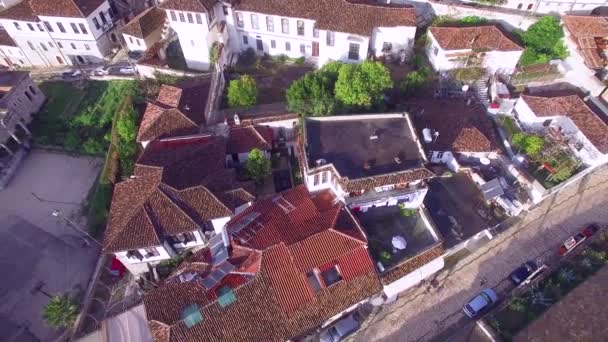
{"x":484,"y":161}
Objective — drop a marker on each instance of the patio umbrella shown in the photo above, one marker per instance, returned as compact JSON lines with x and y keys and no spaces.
{"x":399,"y":242}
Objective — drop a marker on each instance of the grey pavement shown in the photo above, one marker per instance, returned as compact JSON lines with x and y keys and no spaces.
{"x":425,"y":312}
{"x":37,"y":247}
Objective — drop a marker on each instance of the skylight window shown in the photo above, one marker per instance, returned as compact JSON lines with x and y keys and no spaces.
{"x":192,"y":315}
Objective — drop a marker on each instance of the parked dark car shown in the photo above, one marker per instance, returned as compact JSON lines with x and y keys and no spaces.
{"x":573,"y":241}
{"x":524,"y":274}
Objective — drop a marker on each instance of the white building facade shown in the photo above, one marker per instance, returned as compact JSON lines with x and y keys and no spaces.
{"x":50,"y":38}
{"x":274,"y":31}
{"x":554,"y":6}
{"x":494,"y":57}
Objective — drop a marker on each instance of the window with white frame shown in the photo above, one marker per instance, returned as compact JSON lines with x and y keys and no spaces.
{"x":313,"y":281}
{"x":31,"y":27}
{"x":74,"y":28}
{"x":131,"y":39}
{"x":73,"y":46}
{"x":61,"y":28}
{"x":273,"y":44}
{"x":331,"y":38}
{"x":269,"y":24}
{"x":173,"y":16}
{"x":40,"y":28}
{"x":254,"y":22}
{"x":300,"y":27}
{"x":17,"y":25}
{"x":51,"y":44}
{"x":315,"y":32}
{"x":151,"y":252}
{"x":324,"y":175}
{"x":353,"y":51}
{"x":96,"y":23}
{"x":211,"y":14}
{"x":138,"y":42}
{"x":245,"y":40}
{"x":31,"y":45}
{"x":287,"y":46}
{"x":239,"y":19}
{"x":86,"y":46}
{"x":48,"y":26}
{"x":190,"y":18}
{"x":83,"y":28}
{"x":199,"y":19}
{"x":285,"y":25}
{"x":135,"y":254}
{"x":60,"y":45}
{"x":43,"y":47}
{"x":315,"y":179}
{"x":302,"y":49}
{"x":182,"y":17}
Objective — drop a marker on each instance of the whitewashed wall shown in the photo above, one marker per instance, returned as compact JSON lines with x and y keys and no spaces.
{"x":501,"y":61}
{"x":14,"y":55}
{"x":192,"y":38}
{"x":401,"y":38}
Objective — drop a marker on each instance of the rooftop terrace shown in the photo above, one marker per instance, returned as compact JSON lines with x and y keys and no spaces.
{"x":363,"y":145}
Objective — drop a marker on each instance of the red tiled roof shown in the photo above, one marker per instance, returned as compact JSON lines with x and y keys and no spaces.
{"x":487,"y":37}
{"x":461,"y":128}
{"x":276,"y":303}
{"x":358,"y":17}
{"x":5,"y":39}
{"x":584,"y":30}
{"x":244,"y":139}
{"x":158,"y":122}
{"x":360,"y":184}
{"x":145,"y":23}
{"x":65,"y":8}
{"x":169,"y":95}
{"x":20,"y":11}
{"x":573,"y":107}
{"x":200,"y":6}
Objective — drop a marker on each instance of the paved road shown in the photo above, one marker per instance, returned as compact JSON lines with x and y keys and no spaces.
{"x":420,"y":316}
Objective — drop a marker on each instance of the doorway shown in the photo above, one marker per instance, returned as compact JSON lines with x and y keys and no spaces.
{"x":315,"y":49}
{"x":259,"y":44}
{"x":80,"y":59}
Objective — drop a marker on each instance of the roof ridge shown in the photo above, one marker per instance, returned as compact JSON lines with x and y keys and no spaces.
{"x":208,"y":191}
{"x":346,"y":236}
{"x":162,"y":191}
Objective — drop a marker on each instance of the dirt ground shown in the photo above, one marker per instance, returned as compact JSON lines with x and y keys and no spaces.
{"x":38,"y":248}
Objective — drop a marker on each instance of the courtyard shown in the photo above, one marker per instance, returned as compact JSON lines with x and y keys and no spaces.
{"x":40,"y":253}
{"x":384,"y":224}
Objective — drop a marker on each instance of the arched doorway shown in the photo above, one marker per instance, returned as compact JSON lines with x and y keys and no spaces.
{"x":59,"y":60}
{"x":80,"y":59}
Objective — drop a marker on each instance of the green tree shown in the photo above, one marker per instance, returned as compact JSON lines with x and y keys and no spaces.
{"x":127,"y":147}
{"x":543,"y":41}
{"x":312,"y":95}
{"x":415,"y":80}
{"x":362,"y":85}
{"x":60,"y":312}
{"x":530,"y":144}
{"x":258,"y":167}
{"x":242,"y":92}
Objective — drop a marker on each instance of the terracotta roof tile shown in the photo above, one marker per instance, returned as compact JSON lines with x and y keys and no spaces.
{"x":355,"y":185}
{"x":65,"y":8}
{"x":412,"y":264}
{"x":585,"y":25}
{"x":487,"y":37}
{"x":169,"y":95}
{"x":200,"y":6}
{"x":145,"y":23}
{"x":461,"y":128}
{"x":158,"y":123}
{"x":358,"y":17}
{"x":584,"y":30}
{"x":573,"y":107}
{"x":244,"y":139}
{"x":20,"y":11}
{"x":276,"y":302}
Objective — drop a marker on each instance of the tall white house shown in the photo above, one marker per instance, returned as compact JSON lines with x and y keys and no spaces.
{"x":478,"y":46}
{"x":553,"y":6}
{"x":62,"y":32}
{"x":316,"y":30}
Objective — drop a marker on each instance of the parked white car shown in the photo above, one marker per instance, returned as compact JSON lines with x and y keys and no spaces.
{"x":101,"y":71}
{"x":339,"y":330}
{"x":127,"y":70}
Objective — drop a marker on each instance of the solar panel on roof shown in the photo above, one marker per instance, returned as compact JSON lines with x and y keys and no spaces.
{"x":216,"y":240}
{"x":192,"y":315}
{"x":225,"y":296}
{"x":219,"y":255}
{"x":209,"y":282}
{"x":244,"y":222}
{"x":226,"y":267}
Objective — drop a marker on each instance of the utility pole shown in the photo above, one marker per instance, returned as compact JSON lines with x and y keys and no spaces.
{"x":73,"y":225}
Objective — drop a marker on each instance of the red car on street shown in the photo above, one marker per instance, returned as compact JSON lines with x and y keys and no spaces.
{"x":576,"y":240}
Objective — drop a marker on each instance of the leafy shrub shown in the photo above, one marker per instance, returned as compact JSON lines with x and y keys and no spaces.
{"x":312,"y":95}
{"x":543,"y":41}
{"x":530,"y":144}
{"x":242,"y":92}
{"x":299,"y":60}
{"x":258,"y":167}
{"x":362,"y":85}
{"x":415,"y":80}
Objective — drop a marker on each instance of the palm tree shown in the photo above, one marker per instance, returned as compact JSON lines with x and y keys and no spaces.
{"x":60,"y":312}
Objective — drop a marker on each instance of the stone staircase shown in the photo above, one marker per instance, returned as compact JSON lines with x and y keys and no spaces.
{"x":481,"y":91}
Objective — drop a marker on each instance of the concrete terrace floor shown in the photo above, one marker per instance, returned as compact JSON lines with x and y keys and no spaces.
{"x":37,"y":247}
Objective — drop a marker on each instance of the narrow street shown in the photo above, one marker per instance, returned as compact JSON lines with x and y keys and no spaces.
{"x":427,"y":313}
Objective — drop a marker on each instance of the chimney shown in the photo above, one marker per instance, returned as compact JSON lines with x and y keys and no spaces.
{"x":237,"y":120}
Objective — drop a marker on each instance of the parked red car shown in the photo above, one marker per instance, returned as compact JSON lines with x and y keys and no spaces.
{"x":576,"y":240}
